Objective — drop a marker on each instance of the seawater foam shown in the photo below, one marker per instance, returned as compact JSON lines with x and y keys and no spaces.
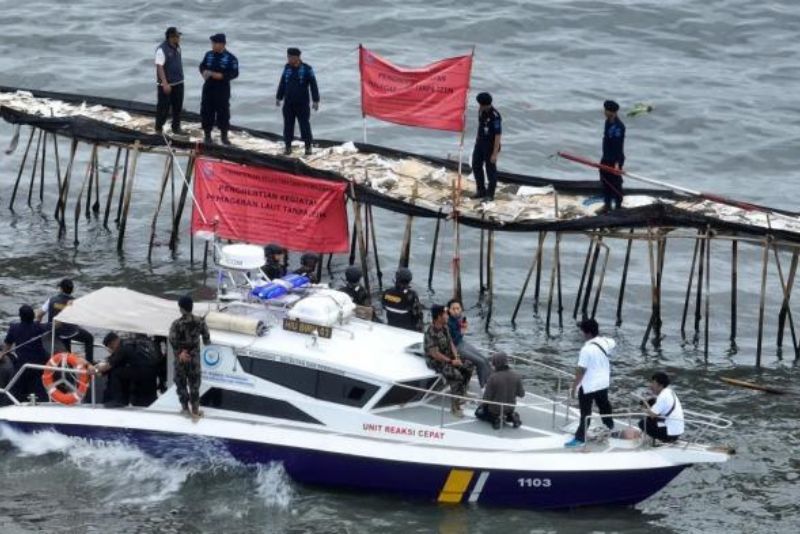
{"x":273,"y":485}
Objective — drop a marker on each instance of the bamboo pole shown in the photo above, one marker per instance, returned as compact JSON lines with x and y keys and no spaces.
{"x":352,"y":259}
{"x":87,"y":178}
{"x":481,"y":286}
{"x":378,"y":271}
{"x":405,"y":247}
{"x":58,"y":163}
{"x":583,"y":276}
{"x":689,"y":288}
{"x":21,"y":169}
{"x":538,"y":282}
{"x":734,"y":282}
{"x":590,"y":278}
{"x":652,"y":268}
{"x":558,"y":282}
{"x":41,"y":173}
{"x":168,"y":169}
{"x":600,"y":282}
{"x":708,"y":295}
{"x":111,"y":187}
{"x":490,"y":277}
{"x":362,"y":248}
{"x":699,"y":296}
{"x":657,"y":323}
{"x":624,"y":281}
{"x":764,"y":260}
{"x":96,"y":204}
{"x":176,"y":221}
{"x":123,"y":223}
{"x":123,"y":186}
{"x":61,"y":205}
{"x":93,"y":168}
{"x":553,"y":275}
{"x":433,"y":250}
{"x":786,"y":287}
{"x":34,"y":168}
{"x":536,"y":254}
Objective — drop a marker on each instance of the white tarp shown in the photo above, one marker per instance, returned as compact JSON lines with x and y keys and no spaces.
{"x":123,"y":310}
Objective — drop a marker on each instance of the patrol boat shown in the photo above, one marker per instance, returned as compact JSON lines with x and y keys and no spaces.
{"x":294,"y":376}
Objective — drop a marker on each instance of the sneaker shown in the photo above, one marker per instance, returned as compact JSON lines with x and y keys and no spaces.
{"x":573,"y":443}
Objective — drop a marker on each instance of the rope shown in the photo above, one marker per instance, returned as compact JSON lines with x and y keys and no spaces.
{"x":185,"y":181}
{"x":31,"y":340}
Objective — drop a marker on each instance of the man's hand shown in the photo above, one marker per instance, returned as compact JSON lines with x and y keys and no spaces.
{"x":206,"y":74}
{"x":167,"y":88}
{"x":455,"y":362}
{"x":217,"y":75}
{"x":493,"y":159}
{"x":184,"y":356}
{"x":315,"y":106}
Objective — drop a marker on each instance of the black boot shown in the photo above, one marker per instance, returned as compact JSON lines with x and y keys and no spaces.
{"x":207,"y":138}
{"x":308,"y":150}
{"x":224,"y":138}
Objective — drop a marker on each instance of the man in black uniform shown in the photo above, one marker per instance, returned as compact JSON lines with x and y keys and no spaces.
{"x":487,"y":147}
{"x":169,"y":77}
{"x":275,"y":266}
{"x":354,"y":288}
{"x":613,"y":156}
{"x":67,"y":332}
{"x":296,"y":80}
{"x":401,"y":303}
{"x":308,"y":267}
{"x":131,"y":370}
{"x":218,"y":68}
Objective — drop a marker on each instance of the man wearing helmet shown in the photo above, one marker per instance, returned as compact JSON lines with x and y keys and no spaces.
{"x":308,"y":267}
{"x":401,"y":303}
{"x":275,"y":266}
{"x":354,"y":287}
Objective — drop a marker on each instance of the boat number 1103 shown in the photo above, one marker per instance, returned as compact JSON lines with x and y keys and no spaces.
{"x":534,"y":482}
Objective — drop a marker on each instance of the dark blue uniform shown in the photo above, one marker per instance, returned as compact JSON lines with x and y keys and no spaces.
{"x":19,"y":336}
{"x":613,"y":155}
{"x":293,"y":88}
{"x":490,"y":125}
{"x":215,"y":105}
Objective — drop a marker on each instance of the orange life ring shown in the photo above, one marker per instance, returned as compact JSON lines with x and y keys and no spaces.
{"x":64,"y":390}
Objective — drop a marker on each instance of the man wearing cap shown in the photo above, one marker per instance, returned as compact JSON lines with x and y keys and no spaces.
{"x":276,"y":264}
{"x":297,"y":79}
{"x":308,"y":266}
{"x":353,"y":286}
{"x":169,"y":77}
{"x":218,"y":68}
{"x":613,"y":156}
{"x":487,"y":147}
{"x":184,"y":336}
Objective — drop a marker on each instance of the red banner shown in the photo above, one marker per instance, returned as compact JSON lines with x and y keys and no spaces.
{"x":259,"y":205}
{"x":433,"y":96}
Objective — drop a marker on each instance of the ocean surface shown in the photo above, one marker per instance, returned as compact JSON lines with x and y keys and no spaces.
{"x":721,"y":76}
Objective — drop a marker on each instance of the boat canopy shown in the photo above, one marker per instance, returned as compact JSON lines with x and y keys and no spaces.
{"x":124,"y":310}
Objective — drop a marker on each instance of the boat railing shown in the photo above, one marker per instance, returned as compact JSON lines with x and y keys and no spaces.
{"x":36,"y":367}
{"x":702,"y":423}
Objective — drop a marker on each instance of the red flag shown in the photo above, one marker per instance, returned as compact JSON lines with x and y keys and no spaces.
{"x":433,"y":96}
{"x":260,"y":206}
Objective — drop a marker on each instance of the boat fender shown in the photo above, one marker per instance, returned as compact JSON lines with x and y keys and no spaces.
{"x":235,"y":323}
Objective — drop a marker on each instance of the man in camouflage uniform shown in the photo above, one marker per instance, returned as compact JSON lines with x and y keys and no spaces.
{"x":184,"y":336}
{"x":443,"y":357}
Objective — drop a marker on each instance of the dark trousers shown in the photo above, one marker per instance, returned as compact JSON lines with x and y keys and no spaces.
{"x":131,"y":385}
{"x":585,"y":400}
{"x":215,"y":107}
{"x":29,"y":382}
{"x":484,"y":414}
{"x":481,"y":157}
{"x":301,"y":113}
{"x":169,"y":102}
{"x":612,"y":188}
{"x":83,"y":337}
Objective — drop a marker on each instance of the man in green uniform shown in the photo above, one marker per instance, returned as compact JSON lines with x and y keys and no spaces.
{"x":443,"y":358}
{"x":184,"y":336}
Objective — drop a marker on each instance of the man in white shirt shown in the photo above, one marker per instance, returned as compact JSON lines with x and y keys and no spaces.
{"x":665,"y":417}
{"x":169,"y":79}
{"x":592,"y":378}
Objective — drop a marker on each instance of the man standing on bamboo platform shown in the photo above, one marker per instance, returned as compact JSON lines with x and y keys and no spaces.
{"x":185,"y":334}
{"x":169,"y":77}
{"x":218,"y":68}
{"x":297,"y":79}
{"x":613,"y":156}
{"x":487,"y":147}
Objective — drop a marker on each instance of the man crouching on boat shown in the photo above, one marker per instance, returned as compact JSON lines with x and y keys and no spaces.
{"x":184,"y":336}
{"x":443,"y":357}
{"x":503,"y":386}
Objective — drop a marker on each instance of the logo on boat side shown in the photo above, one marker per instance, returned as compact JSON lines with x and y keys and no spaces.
{"x":211,"y":357}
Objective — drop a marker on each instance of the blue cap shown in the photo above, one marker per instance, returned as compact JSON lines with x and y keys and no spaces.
{"x":218,"y":38}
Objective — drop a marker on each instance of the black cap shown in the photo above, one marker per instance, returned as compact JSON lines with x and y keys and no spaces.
{"x":403,"y":275}
{"x":353,"y":274}
{"x":484,"y":99}
{"x":172,"y":30}
{"x":436,"y":310}
{"x":610,"y":105}
{"x":218,"y":38}
{"x":26,"y":314}
{"x":273,"y":249}
{"x":66,"y":286}
{"x":186,"y":303}
{"x":292,"y":51}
